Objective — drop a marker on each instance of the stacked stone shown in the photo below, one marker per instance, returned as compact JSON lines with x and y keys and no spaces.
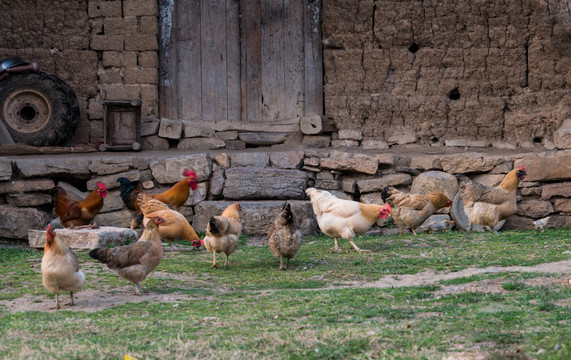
{"x":263,"y":181}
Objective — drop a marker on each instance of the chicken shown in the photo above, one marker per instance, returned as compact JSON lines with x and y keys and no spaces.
{"x":436,"y":226}
{"x":173,"y":197}
{"x":411,"y":210}
{"x":541,"y":223}
{"x":60,"y":267}
{"x":78,"y":213}
{"x":134,"y":262}
{"x":284,"y":236}
{"x":129,"y":192}
{"x":223,"y":232}
{"x":344,"y":219}
{"x":175,"y":225}
{"x":487,"y":206}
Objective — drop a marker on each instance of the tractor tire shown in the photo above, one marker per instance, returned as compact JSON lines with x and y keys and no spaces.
{"x":38,"y":109}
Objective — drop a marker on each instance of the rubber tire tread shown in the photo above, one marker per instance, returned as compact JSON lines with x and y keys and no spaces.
{"x":65,"y":107}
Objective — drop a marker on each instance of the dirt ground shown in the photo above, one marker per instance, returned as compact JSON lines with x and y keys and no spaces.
{"x":92,"y":300}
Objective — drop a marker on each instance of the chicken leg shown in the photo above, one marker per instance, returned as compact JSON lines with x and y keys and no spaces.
{"x":137,"y":289}
{"x":359,"y":250}
{"x":214,"y":264}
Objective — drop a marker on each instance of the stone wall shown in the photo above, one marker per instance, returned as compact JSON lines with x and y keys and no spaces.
{"x":263,"y":181}
{"x":430,"y":71}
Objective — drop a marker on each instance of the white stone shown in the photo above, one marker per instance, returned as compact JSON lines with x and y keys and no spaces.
{"x":85,"y":238}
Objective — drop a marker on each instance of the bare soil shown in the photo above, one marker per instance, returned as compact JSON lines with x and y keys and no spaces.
{"x":92,"y":300}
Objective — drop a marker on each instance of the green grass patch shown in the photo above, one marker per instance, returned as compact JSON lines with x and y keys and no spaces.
{"x":322,"y":307}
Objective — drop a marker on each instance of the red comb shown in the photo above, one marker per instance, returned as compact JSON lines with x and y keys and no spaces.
{"x":101,"y":185}
{"x":188,"y":173}
{"x":521,"y":167}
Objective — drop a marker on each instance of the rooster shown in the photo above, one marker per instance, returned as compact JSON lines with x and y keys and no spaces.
{"x":60,"y":267}
{"x":174,"y":226}
{"x":223,"y":232}
{"x":173,"y":197}
{"x":78,"y":213}
{"x":411,"y":210}
{"x":487,"y":206}
{"x":344,"y":219}
{"x":134,"y":262}
{"x":284,"y":236}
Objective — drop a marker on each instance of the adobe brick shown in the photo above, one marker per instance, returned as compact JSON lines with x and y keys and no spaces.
{"x":106,"y":42}
{"x":119,"y":25}
{"x":143,"y":42}
{"x":119,"y":59}
{"x":148,"y":59}
{"x":141,"y":76}
{"x":104,"y":8}
{"x":149,"y":93}
{"x":140,"y":7}
{"x":149,"y":25}
{"x":121,"y":92}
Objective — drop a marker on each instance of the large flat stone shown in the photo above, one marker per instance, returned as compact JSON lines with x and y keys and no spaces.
{"x":255,"y":183}
{"x":85,"y":238}
{"x":558,"y":189}
{"x":358,"y":163}
{"x":262,"y":138}
{"x":554,"y":165}
{"x":435,"y":181}
{"x":19,"y":186}
{"x":169,"y":171}
{"x":15,"y":222}
{"x":53,"y":166}
{"x":5,"y":169}
{"x":106,"y":166}
{"x":371,"y":185}
{"x":469,"y":162}
{"x":259,"y":159}
{"x":562,"y":137}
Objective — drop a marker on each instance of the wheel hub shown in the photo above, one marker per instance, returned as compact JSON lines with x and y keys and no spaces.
{"x":27,"y":111}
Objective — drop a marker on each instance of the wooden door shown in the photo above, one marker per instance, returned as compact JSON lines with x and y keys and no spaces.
{"x":241,"y":65}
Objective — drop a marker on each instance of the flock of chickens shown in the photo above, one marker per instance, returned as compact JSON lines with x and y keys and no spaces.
{"x":338,"y":218}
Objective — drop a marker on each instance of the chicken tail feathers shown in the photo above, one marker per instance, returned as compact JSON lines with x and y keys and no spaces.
{"x":385,"y":193}
{"x":288,"y":214}
{"x":57,"y":192}
{"x":214,"y":228}
{"x":463,"y":180}
{"x":99,"y":254}
{"x":128,"y":192}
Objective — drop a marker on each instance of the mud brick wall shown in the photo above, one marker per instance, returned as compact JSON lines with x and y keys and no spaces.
{"x":395,"y":71}
{"x":436,"y":70}
{"x":102,"y":49}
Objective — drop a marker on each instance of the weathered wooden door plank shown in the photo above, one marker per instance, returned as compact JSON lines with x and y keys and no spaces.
{"x":233,"y":59}
{"x":251,"y":74}
{"x":167,"y":61}
{"x":293,"y":59}
{"x":273,"y":84}
{"x":214,"y":81}
{"x":188,"y":50}
{"x":313,"y":62}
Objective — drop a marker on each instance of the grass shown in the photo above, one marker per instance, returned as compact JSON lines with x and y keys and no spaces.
{"x":314,"y":310}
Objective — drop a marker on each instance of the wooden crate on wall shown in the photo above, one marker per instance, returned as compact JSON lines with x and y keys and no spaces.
{"x":121,"y":125}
